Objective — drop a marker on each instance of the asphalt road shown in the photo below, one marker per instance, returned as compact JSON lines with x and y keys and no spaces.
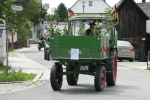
{"x":132,"y":84}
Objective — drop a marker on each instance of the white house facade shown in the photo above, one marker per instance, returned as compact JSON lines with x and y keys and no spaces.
{"x":2,"y":44}
{"x":89,"y":6}
{"x":38,"y":29}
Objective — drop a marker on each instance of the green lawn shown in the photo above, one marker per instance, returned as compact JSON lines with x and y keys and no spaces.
{"x":14,"y":76}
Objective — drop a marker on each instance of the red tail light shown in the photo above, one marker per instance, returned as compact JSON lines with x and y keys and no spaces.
{"x":132,"y":50}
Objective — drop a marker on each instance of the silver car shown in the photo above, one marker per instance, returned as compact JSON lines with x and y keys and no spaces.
{"x":125,"y":51}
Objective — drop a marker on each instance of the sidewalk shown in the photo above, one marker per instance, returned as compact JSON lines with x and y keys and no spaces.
{"x":135,"y":64}
{"x":18,"y":60}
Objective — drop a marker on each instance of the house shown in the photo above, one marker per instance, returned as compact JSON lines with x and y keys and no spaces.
{"x":2,"y":42}
{"x":41,"y":28}
{"x":133,"y":26}
{"x":89,"y":6}
{"x":145,"y":6}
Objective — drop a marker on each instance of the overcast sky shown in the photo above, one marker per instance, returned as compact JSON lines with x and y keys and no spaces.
{"x":69,"y":3}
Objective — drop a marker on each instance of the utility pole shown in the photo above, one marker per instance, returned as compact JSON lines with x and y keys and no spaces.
{"x":7,"y":50}
{"x":83,"y":4}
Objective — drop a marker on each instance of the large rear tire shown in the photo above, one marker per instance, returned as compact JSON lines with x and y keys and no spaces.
{"x":111,"y":65}
{"x":100,"y":78}
{"x":72,"y":79}
{"x":55,"y":77}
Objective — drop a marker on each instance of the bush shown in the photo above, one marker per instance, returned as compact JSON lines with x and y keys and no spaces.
{"x":14,"y":75}
{"x":11,"y":49}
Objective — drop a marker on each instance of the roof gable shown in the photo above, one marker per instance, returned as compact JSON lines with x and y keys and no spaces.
{"x":121,"y":2}
{"x":78,"y":6}
{"x":145,"y":6}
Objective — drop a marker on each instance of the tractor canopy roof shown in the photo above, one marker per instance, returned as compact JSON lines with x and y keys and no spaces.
{"x":88,"y":16}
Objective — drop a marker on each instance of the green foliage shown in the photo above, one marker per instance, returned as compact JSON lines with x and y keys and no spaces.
{"x":5,"y":7}
{"x":111,"y":16}
{"x":44,"y":10}
{"x":81,"y":30}
{"x":21,"y":22}
{"x":62,"y":12}
{"x":2,"y":67}
{"x":11,"y":49}
{"x":14,"y":75}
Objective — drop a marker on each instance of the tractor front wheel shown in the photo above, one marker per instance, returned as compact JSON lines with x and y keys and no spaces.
{"x":56,"y":77}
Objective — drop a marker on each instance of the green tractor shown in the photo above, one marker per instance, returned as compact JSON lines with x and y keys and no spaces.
{"x":76,"y":53}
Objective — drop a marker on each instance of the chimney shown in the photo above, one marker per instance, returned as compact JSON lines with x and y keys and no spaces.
{"x":143,"y":0}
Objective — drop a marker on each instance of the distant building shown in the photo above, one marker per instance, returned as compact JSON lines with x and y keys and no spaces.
{"x":145,"y":6}
{"x":133,"y":26}
{"x":36,"y":30}
{"x":2,"y":43}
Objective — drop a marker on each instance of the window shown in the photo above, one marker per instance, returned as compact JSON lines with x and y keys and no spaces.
{"x":30,"y":35}
{"x":38,"y":33}
{"x":90,"y":3}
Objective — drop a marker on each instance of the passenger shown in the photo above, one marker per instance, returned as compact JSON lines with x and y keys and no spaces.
{"x":46,"y":33}
{"x":89,"y":31}
{"x":41,"y":37}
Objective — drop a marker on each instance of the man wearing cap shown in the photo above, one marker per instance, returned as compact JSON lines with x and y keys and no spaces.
{"x":89,"y":31}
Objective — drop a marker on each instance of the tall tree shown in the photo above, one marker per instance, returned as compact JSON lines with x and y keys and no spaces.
{"x":62,"y":12}
{"x":5,"y":6}
{"x":22,"y":21}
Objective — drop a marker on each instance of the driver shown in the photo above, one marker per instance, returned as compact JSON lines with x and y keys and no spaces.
{"x":89,"y":31}
{"x":46,"y":35}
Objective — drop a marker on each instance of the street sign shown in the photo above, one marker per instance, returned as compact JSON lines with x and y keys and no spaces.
{"x":19,"y":1}
{"x":17,"y":8}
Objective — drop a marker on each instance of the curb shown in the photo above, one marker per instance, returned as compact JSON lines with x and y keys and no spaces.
{"x":40,"y":72}
{"x":133,"y":67}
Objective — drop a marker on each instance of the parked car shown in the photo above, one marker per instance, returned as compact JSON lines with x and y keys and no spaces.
{"x":125,"y":51}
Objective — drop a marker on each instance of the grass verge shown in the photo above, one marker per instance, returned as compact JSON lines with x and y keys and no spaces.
{"x":14,"y":75}
{"x":11,"y":49}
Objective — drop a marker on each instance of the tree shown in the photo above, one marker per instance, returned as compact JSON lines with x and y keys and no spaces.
{"x":43,"y":12}
{"x":18,"y":19}
{"x":5,"y":6}
{"x":62,"y":12}
{"x":21,"y":22}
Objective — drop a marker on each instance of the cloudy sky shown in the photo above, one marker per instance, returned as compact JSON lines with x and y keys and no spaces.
{"x":69,"y":3}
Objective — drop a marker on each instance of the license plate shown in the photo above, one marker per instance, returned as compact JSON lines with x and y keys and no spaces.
{"x":84,"y":67}
{"x":123,"y":50}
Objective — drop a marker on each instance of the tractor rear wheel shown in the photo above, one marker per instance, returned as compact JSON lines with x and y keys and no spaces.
{"x":55,"y":77}
{"x":72,"y":79}
{"x":100,"y":78}
{"x":111,"y":65}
